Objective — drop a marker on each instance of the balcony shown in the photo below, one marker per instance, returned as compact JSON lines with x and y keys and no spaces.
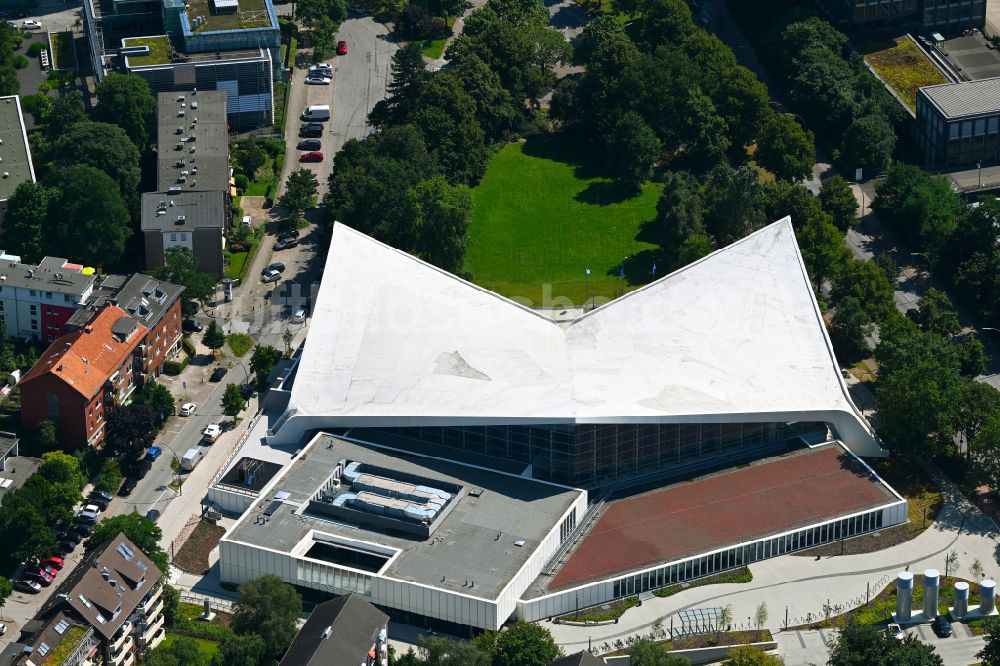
{"x":123,"y":652}
{"x":154,"y":610}
{"x":149,"y":632}
{"x":156,"y":639}
{"x":153,"y":598}
{"x":120,"y":637}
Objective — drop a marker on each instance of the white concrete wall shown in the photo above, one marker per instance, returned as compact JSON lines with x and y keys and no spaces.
{"x":230,"y":501}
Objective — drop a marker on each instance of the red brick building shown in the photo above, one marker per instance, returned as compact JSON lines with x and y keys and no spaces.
{"x":80,"y":372}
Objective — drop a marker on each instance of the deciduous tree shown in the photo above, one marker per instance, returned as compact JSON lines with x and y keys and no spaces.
{"x":270,"y":608}
{"x":837,"y":198}
{"x":26,"y":219}
{"x":263,"y":361}
{"x":131,"y":429}
{"x":525,"y":644}
{"x":785,"y":148}
{"x":106,"y":147}
{"x":158,"y":397}
{"x":89,"y":220}
{"x":245,"y":650}
{"x":645,"y":652}
{"x":868,"y":144}
{"x":441,"y":214}
{"x":300,"y":193}
{"x":232,"y":401}
{"x":180,"y":266}
{"x":633,"y":149}
{"x":214,"y":338}
{"x":127,"y":101}
{"x":138,"y":529}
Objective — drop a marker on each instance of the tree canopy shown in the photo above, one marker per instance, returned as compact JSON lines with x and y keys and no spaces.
{"x":270,"y":608}
{"x":127,"y":101}
{"x":869,"y":645}
{"x":138,"y":529}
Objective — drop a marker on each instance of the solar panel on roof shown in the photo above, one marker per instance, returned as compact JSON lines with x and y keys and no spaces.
{"x":43,"y":649}
{"x":125,"y":552}
{"x":62,"y":626}
{"x":272,"y":507}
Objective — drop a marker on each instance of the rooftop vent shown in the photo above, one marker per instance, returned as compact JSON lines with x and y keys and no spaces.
{"x":180,"y":98}
{"x":181,"y":219}
{"x":180,"y":114}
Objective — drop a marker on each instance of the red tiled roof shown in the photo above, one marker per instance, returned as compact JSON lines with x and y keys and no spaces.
{"x":85,"y":359}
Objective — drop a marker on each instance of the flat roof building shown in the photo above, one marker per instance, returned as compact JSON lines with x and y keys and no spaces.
{"x":17,"y":167}
{"x":191,"y":207}
{"x":424,"y":386}
{"x":958,"y":123}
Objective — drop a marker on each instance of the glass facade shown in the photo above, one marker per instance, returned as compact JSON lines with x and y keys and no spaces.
{"x":594,"y":455}
{"x":952,"y":143}
{"x":705,"y":565}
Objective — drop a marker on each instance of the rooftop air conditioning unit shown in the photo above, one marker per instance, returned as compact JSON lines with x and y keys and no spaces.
{"x":181,"y":219}
{"x":180,"y":114}
{"x":180,"y":98}
{"x":194,"y":105}
{"x":179,"y":146}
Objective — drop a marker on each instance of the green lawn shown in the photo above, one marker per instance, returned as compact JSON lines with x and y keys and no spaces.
{"x":434,"y":48}
{"x":208,"y":648}
{"x":239,"y":262}
{"x":239,"y":343}
{"x":540,"y":217}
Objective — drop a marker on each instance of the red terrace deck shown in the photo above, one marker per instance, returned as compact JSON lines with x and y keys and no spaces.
{"x":728,"y":508}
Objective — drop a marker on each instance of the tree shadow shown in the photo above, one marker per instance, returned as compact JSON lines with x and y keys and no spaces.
{"x":639,"y":267}
{"x":605,"y":193}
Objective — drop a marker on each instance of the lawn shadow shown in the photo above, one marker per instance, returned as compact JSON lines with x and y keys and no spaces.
{"x":641,"y":268}
{"x":605,"y":193}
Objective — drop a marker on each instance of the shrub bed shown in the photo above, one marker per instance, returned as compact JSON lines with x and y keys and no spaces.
{"x":741,"y":575}
{"x":603,"y":613}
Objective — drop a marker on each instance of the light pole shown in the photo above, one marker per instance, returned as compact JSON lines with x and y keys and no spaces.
{"x":930,"y":264}
{"x":979,"y":166}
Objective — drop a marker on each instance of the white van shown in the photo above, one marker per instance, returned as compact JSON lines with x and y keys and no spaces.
{"x":317,"y":113}
{"x":211,"y":433}
{"x":191,"y":459}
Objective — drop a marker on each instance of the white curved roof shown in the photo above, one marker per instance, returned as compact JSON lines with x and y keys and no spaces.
{"x":736,"y":336}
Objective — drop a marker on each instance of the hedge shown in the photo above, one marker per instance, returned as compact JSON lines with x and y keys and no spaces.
{"x":188,"y":346}
{"x":176,"y":367}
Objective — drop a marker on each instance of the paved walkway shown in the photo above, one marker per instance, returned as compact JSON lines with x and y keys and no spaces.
{"x":801,"y":586}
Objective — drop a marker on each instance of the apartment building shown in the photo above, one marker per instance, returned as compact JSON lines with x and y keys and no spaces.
{"x":345,"y":630}
{"x":36,"y":301}
{"x":944,"y":16}
{"x":80,"y":373}
{"x":108,"y":610}
{"x":192,"y":205}
{"x":153,"y":303}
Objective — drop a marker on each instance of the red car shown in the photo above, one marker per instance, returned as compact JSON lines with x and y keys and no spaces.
{"x":54,"y":561}
{"x":341,"y":47}
{"x":315,"y":156}
{"x":40,"y":575}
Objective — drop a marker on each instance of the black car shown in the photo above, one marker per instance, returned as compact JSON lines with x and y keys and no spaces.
{"x":25,"y":586}
{"x":218,"y":374}
{"x":84,"y":529}
{"x":291,"y":233}
{"x":310,"y":144}
{"x":142,"y":467}
{"x":66,"y":546}
{"x":311,"y":131}
{"x":153,"y":514}
{"x":128,"y":487}
{"x":286,"y":243}
{"x":276,"y":266}
{"x":941,"y":626}
{"x":71,"y":537}
{"x":192,"y":326}
{"x":101,"y":499}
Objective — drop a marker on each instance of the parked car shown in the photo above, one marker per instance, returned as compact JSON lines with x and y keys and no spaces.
{"x":101,"y":499}
{"x":128,"y":487}
{"x":56,"y":563}
{"x":39,"y":575}
{"x":84,"y":529}
{"x":291,"y":233}
{"x":270,"y":275}
{"x":71,"y":536}
{"x":276,"y":266}
{"x":29,"y":586}
{"x":941,"y":626}
{"x":153,"y":514}
{"x":31,"y":24}
{"x":342,"y":47}
{"x":285,"y":244}
{"x":324,"y":68}
{"x":154,"y":453}
{"x":142,"y":468}
{"x":299,"y":317}
{"x":86,"y":516}
{"x":187,"y":409}
{"x":218,"y":374}
{"x":192,"y":326}
{"x":318,"y":80}
{"x":65,"y":547}
{"x":310,"y":144}
{"x":311,"y":131}
{"x":314,"y":156}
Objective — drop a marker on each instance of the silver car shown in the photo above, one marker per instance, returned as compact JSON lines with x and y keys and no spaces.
{"x":270,"y":275}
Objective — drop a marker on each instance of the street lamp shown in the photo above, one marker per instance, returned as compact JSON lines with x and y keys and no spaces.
{"x":979,"y":166}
